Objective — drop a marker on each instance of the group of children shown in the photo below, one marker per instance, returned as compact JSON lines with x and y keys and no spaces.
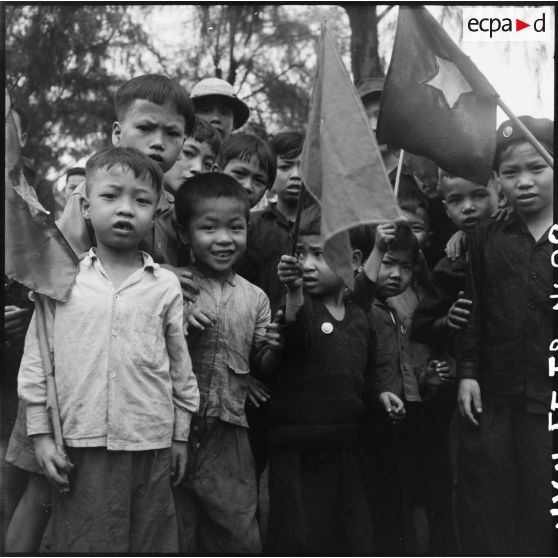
{"x":199,"y":346}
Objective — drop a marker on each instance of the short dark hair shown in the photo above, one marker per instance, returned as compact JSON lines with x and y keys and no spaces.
{"x":404,"y":240}
{"x":24,"y":121}
{"x":75,"y":171}
{"x":310,"y":220}
{"x":362,"y":238}
{"x":204,"y":132}
{"x":208,"y":185}
{"x":128,"y":158}
{"x":246,"y":147}
{"x":412,"y":200}
{"x":287,"y":145}
{"x":158,"y":90}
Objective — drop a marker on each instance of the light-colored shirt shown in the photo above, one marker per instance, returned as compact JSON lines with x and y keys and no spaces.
{"x":122,"y":369}
{"x":221,"y":353}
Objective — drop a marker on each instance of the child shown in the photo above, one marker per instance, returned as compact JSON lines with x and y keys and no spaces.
{"x":74,"y":177}
{"x":251,"y":161}
{"x":198,"y":155}
{"x":393,"y":447}
{"x":227,"y":330}
{"x":505,"y":465}
{"x":216,"y":102}
{"x":317,"y":502}
{"x":126,"y":402}
{"x":199,"y":152}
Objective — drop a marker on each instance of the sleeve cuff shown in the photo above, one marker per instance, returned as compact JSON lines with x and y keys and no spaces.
{"x":182,"y":420}
{"x":466,"y":370}
{"x":38,"y":420}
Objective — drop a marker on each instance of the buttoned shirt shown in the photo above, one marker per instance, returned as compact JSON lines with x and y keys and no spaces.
{"x":394,"y":368}
{"x":505,"y":342}
{"x":123,"y":374}
{"x":221,"y":353}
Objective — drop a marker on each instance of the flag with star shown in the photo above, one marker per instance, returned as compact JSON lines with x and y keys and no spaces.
{"x":36,"y":253}
{"x":436,"y":103}
{"x":341,"y":164}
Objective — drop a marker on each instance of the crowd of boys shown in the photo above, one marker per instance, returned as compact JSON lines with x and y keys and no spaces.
{"x":202,"y":344}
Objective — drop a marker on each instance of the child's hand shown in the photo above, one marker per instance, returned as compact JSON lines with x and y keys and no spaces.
{"x":385,"y":233}
{"x":256,"y":392}
{"x":457,"y":245}
{"x":198,"y":319}
{"x":459,"y":313}
{"x":179,"y":460}
{"x":393,"y":405}
{"x":501,"y":213}
{"x":469,"y":399}
{"x":55,"y":466}
{"x":438,"y":372}
{"x":274,"y":333}
{"x":289,"y":272}
{"x":15,"y":321}
{"x":189,"y":288}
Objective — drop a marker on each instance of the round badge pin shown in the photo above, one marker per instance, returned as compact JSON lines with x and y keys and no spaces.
{"x":327,"y":328}
{"x":403,"y":329}
{"x":507,"y":131}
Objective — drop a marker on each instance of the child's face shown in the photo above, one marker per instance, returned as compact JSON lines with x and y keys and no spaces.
{"x":156,"y":130}
{"x":318,"y":277}
{"x":194,"y":158}
{"x":71,"y":184}
{"x":418,"y":222}
{"x":396,"y":273}
{"x":121,"y":207}
{"x":526,"y":179}
{"x":250,"y":175}
{"x":468,"y":203}
{"x":288,"y":181}
{"x":217,"y":234}
{"x":218,"y":112}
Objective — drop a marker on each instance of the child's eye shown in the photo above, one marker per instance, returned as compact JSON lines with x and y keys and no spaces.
{"x":144,"y":201}
{"x":207,"y":228}
{"x":108,"y":196}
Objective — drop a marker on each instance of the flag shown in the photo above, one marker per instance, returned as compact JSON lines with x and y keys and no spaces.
{"x":341,"y":165}
{"x":36,"y":253}
{"x":435,"y":101}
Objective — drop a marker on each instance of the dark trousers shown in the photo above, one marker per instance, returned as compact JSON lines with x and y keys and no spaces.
{"x":504,"y":486}
{"x":405,"y":464}
{"x":119,"y":502}
{"x":317,"y":504}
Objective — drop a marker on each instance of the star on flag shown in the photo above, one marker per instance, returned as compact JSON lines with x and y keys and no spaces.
{"x":449,"y":81}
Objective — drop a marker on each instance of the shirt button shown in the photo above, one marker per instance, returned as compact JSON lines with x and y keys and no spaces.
{"x":195,"y":428}
{"x":116,"y":297}
{"x":532,"y":305}
{"x":114,"y":332}
{"x":113,"y":375}
{"x":198,"y":445}
{"x":158,"y":245}
{"x":8,"y":343}
{"x":534,"y":275}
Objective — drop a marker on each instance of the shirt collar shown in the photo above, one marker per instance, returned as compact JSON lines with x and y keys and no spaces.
{"x":89,"y":258}
{"x":231,"y":279}
{"x":271,"y":209}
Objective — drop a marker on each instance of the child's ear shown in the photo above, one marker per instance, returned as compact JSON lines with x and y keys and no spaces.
{"x":357,"y":258}
{"x":215,"y":168}
{"x":183,"y":233}
{"x":116,"y":134}
{"x":84,"y":206}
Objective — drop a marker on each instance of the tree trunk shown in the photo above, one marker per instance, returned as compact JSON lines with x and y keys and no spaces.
{"x":365,"y":61}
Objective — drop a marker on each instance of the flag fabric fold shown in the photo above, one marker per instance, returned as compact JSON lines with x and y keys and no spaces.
{"x":341,"y":165}
{"x":36,"y":253}
{"x":436,"y":103}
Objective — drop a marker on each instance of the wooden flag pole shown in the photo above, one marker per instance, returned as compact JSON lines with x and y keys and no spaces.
{"x":525,"y":131}
{"x":52,"y":399}
{"x":296,"y":226}
{"x":398,"y":175}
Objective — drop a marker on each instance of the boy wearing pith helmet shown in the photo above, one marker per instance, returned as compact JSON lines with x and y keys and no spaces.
{"x":216,"y":102}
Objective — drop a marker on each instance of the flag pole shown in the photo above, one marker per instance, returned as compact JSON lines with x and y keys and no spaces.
{"x":52,"y":399}
{"x":526,"y":132}
{"x":398,"y":175}
{"x":296,"y":226}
